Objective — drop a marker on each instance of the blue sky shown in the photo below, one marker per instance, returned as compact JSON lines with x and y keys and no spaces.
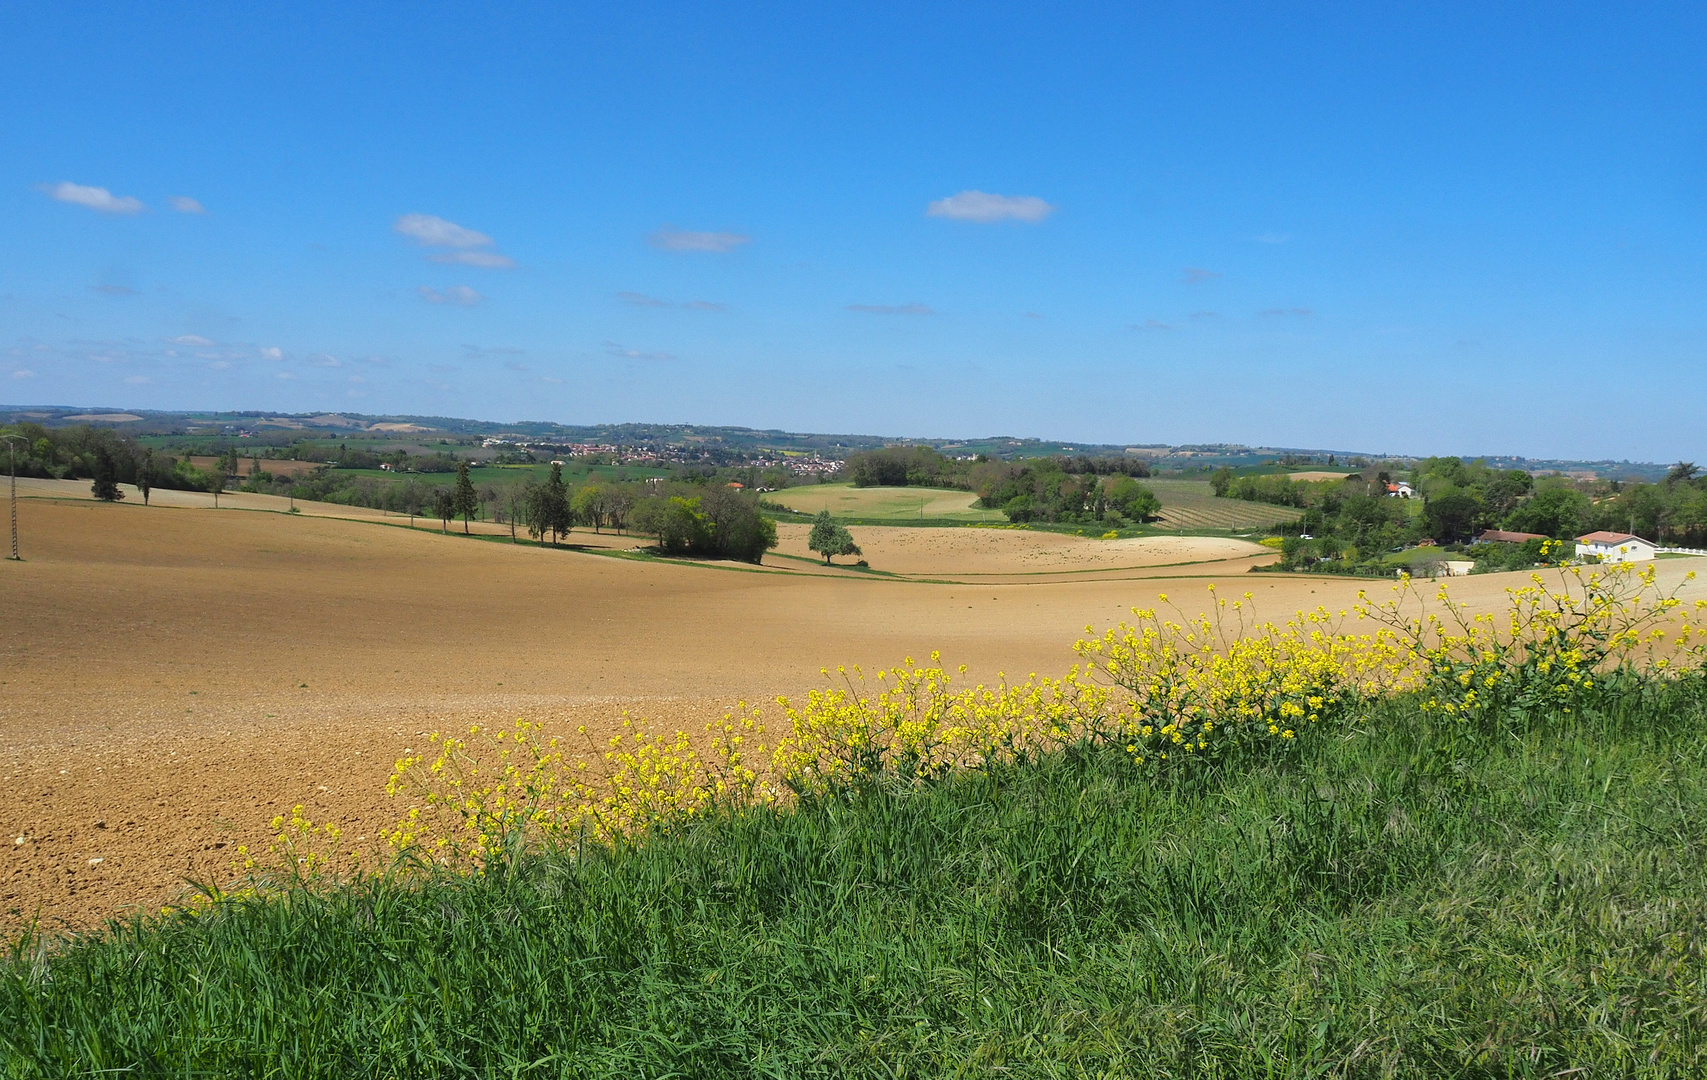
{"x":1403,"y":228}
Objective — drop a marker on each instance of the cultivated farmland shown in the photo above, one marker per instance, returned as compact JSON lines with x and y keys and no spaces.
{"x":885,"y":503}
{"x":1191,"y":504}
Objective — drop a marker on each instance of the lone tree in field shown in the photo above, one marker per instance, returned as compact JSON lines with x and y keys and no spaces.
{"x":444,"y":506}
{"x":548,"y":507}
{"x":829,"y":539}
{"x":106,"y":486}
{"x":464,"y":501}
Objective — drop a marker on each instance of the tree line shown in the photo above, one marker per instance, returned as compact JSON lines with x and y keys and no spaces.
{"x":1351,"y":522}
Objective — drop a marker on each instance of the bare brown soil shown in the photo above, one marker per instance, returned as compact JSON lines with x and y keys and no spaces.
{"x":172,"y":676}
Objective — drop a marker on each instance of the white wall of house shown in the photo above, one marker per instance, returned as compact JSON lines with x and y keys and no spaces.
{"x":1633,"y":550}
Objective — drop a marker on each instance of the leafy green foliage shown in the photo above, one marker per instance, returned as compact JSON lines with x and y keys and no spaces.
{"x":828,"y":538}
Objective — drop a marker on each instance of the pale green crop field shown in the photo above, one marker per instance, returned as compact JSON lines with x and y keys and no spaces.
{"x":1191,"y":504}
{"x":1186,"y":504}
{"x":891,"y":503}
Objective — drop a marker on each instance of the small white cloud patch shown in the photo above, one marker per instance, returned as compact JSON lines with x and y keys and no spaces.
{"x":183,"y":204}
{"x":984,"y":207}
{"x":95,"y":198}
{"x":191,"y":339}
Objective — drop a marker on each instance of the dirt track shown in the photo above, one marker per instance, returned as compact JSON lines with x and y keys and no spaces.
{"x":172,"y":677}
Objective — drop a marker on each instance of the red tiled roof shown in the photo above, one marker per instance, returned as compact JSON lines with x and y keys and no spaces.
{"x":1610,"y":538}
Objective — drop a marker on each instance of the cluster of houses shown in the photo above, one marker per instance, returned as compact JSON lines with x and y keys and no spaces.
{"x":1606,"y":547}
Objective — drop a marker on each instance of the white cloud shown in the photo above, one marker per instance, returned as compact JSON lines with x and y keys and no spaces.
{"x":324,"y":360}
{"x":891,"y":309}
{"x":138,"y":380}
{"x":285,"y":375}
{"x":1194,"y":275}
{"x":220,"y":365}
{"x":1272,"y":238}
{"x":95,"y":198}
{"x":457,"y":295}
{"x":615,"y":349}
{"x":982,"y":206}
{"x":486,"y":260}
{"x":430,"y":231}
{"x":705,"y":305}
{"x":23,"y":373}
{"x":272,"y":352}
{"x":183,"y":204}
{"x":191,"y":339}
{"x":670,"y":238}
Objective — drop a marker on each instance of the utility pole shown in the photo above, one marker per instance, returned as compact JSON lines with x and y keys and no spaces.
{"x":12,"y":445}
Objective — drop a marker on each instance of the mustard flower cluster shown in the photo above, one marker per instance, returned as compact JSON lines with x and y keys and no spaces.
{"x":1170,"y":691}
{"x":916,"y":724}
{"x":495,"y":792}
{"x":1551,"y":647}
{"x":1199,"y":687}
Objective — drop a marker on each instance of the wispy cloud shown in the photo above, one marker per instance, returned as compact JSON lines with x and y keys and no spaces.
{"x":220,"y":365}
{"x":325,"y":360}
{"x":486,"y":260}
{"x":670,"y":238}
{"x":183,"y":204}
{"x":984,"y":207}
{"x":456,"y":295}
{"x":1150,"y":324}
{"x":643,"y":300}
{"x":891,"y":309}
{"x":431,"y":231}
{"x":191,"y":339}
{"x":95,"y":198}
{"x":23,"y":373}
{"x":1272,"y":238}
{"x":137,"y":380}
{"x":1205,"y":314}
{"x":114,"y":290}
{"x":493,"y":350}
{"x":272,"y":352}
{"x":617,"y":349}
{"x":1279,"y":312}
{"x":1196,"y":275}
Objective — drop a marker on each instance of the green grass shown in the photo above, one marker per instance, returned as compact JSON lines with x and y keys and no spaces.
{"x":879,"y":505}
{"x":1393,"y":901}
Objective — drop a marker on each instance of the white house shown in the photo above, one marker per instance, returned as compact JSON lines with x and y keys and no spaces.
{"x":1616,"y":547}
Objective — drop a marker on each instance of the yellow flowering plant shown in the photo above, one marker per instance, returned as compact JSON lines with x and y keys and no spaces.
{"x":1557,"y":647}
{"x":916,"y":724}
{"x":497,"y":792}
{"x":1196,"y":688}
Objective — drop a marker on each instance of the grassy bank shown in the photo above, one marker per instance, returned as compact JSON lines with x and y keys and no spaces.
{"x":1393,"y":899}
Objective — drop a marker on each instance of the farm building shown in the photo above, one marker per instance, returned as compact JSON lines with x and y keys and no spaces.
{"x":1615,"y":547}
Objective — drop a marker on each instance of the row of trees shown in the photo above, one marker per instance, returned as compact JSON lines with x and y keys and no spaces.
{"x":923,"y":466}
{"x":1041,"y":489}
{"x":1353,"y":522}
{"x":701,"y":521}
